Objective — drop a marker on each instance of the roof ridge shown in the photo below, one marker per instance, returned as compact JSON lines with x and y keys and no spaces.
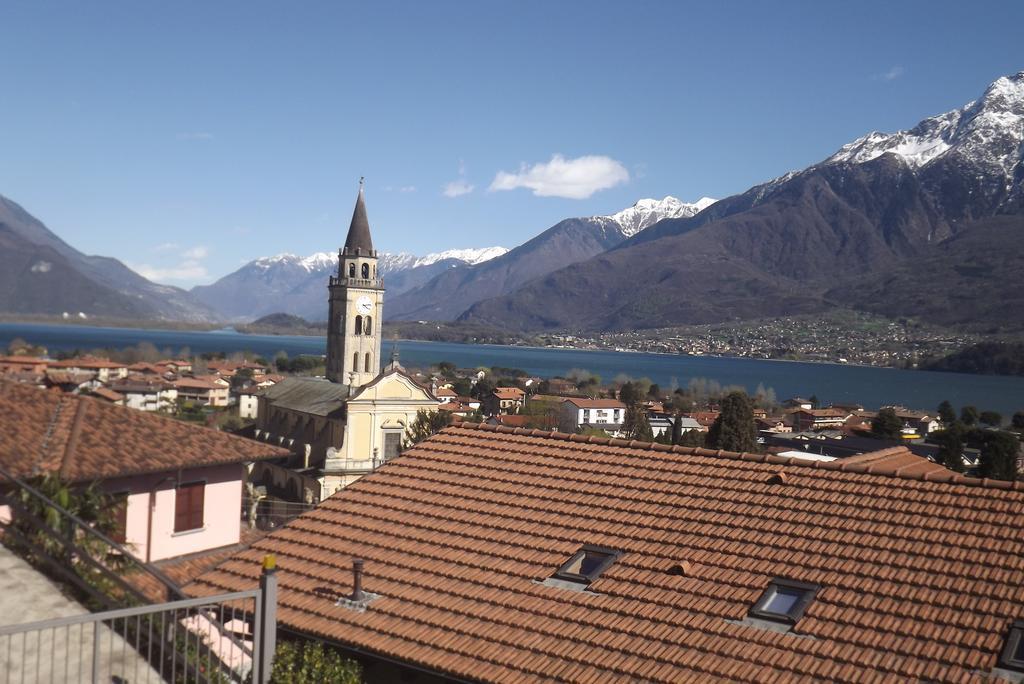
{"x":863,"y":466}
{"x":81,"y":409}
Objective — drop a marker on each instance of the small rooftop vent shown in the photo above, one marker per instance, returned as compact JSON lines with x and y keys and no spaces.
{"x":359,"y":599}
{"x":679,"y":569}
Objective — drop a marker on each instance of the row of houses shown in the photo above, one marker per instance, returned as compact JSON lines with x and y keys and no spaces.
{"x":145,"y":386}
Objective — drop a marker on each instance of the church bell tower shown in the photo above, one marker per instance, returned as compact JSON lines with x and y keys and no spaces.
{"x":356,"y":302}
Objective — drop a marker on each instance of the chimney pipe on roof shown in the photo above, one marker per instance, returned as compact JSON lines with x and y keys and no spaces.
{"x":357,"y":580}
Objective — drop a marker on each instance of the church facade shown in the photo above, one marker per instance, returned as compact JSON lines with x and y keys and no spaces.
{"x":345,"y":425}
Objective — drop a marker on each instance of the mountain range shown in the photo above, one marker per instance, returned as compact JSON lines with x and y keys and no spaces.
{"x":451,"y":293}
{"x":436,"y":286}
{"x":42,"y":274}
{"x":925,"y":222}
{"x":298,"y":285}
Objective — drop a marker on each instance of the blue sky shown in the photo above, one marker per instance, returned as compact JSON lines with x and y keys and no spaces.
{"x":186,"y":138}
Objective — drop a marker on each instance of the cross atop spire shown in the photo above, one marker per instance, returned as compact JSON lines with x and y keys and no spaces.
{"x":358,"y":240}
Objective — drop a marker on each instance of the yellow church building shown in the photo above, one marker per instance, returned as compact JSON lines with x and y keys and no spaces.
{"x":345,"y":425}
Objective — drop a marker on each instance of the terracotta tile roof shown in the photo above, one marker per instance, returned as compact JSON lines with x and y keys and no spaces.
{"x":26,"y":360}
{"x":69,"y":378}
{"x":446,"y":392}
{"x":140,"y":383}
{"x":509,"y":420}
{"x":87,"y":362}
{"x":509,"y":393}
{"x":143,"y":367}
{"x":920,"y":572}
{"x":825,"y":413}
{"x":197,"y":383}
{"x":596,"y":403}
{"x":87,"y":439}
{"x":108,"y":394}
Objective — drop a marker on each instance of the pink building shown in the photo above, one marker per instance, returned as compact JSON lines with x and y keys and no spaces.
{"x":181,"y":484}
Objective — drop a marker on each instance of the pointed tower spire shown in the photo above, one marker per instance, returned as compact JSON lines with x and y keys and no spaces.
{"x":358,"y":240}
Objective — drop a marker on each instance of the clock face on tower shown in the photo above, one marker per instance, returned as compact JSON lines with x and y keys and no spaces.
{"x":364,"y":305}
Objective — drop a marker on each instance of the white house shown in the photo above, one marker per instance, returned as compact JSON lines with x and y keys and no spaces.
{"x":578,"y":412}
{"x":146,"y":393}
{"x":248,"y":402}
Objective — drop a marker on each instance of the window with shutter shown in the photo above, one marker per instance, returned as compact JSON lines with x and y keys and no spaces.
{"x":188,"y":506}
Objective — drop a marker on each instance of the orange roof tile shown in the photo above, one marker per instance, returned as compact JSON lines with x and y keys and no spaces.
{"x":197,"y":383}
{"x":596,"y":403}
{"x":86,"y":439}
{"x":921,"y":570}
{"x":26,"y":360}
{"x":108,"y":394}
{"x":87,"y":362}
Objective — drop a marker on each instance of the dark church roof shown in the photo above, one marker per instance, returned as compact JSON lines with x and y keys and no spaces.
{"x":359,"y":230}
{"x":315,"y":396}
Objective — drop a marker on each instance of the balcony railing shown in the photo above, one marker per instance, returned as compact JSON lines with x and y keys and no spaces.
{"x":358,"y":282}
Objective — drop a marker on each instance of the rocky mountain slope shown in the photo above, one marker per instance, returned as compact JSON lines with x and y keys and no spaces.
{"x":451,"y":293}
{"x":42,"y":274}
{"x":925,"y":222}
{"x":298,"y":285}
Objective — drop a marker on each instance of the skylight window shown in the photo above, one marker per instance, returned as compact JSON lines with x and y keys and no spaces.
{"x":1012,"y":657}
{"x":784,"y":601}
{"x":587,"y":564}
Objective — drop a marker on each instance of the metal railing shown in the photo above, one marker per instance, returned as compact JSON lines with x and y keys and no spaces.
{"x":202,"y":640}
{"x":203,"y":645}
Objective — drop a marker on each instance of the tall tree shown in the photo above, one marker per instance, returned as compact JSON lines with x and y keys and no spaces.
{"x":999,"y":453}
{"x":886,"y":424}
{"x":636,"y":426}
{"x":629,"y":394}
{"x":734,"y":429}
{"x":1018,"y":420}
{"x":947,"y":414}
{"x":991,"y":418}
{"x":951,"y":446}
{"x":427,"y":423}
{"x":969,"y":415}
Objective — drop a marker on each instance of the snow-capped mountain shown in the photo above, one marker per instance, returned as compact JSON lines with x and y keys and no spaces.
{"x":647,"y":212}
{"x":449,"y":294}
{"x":326,"y":262}
{"x":924,"y":222}
{"x":388,"y":262}
{"x":295,"y":284}
{"x":989,"y":131}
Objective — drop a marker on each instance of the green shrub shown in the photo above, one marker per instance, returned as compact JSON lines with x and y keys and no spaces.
{"x":311,"y":662}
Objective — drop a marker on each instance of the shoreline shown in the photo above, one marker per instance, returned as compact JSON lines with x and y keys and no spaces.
{"x":230,"y":330}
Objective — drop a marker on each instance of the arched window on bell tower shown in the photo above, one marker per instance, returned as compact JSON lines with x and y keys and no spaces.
{"x":367,"y":327}
{"x":367,"y":362}
{"x":359,"y":325}
{"x":366,"y":271}
{"x":352,"y":270}
{"x":355,"y":362}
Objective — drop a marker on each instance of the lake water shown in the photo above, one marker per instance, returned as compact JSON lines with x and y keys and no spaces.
{"x":871,"y":387}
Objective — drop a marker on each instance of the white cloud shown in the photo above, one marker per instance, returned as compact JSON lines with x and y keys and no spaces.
{"x":189,"y":267}
{"x":185,"y":271}
{"x":195,"y":135}
{"x":407,"y":188}
{"x":891,"y":74}
{"x":457,"y":188}
{"x":570,"y":178}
